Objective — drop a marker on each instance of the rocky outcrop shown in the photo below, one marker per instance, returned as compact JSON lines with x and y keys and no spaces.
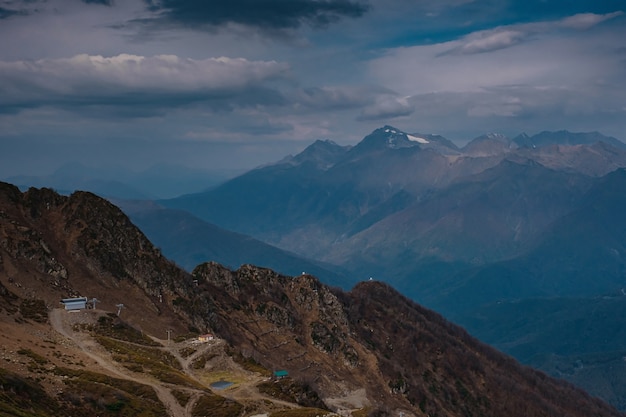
{"x":407,"y":358}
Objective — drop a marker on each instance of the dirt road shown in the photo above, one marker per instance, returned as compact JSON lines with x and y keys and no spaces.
{"x":62,"y":321}
{"x":244,"y":390}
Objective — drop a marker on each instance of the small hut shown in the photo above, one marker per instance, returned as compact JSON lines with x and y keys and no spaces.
{"x":74,"y":304}
{"x":205,"y":337}
{"x":281,"y":374}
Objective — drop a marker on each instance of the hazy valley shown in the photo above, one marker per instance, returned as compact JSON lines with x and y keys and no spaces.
{"x":369,"y":351}
{"x":521,"y":241}
{"x":460,"y":230}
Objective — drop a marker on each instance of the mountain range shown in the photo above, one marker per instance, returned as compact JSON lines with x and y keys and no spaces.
{"x":458,"y":229}
{"x":141,"y":347}
{"x":398,"y":205}
{"x":521,"y":241}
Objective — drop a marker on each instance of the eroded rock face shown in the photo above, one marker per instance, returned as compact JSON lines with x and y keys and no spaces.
{"x":371,"y":340}
{"x":55,"y":246}
{"x":217,"y":275}
{"x":21,"y":242}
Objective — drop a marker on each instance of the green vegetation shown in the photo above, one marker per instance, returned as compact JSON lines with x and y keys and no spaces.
{"x":186,"y":336}
{"x":34,"y":356}
{"x":157,"y":362}
{"x":182,"y":397}
{"x":109,"y":396}
{"x":126,"y":385}
{"x":111,"y":326}
{"x":20,"y":397}
{"x":138,"y":354}
{"x":248,"y":363}
{"x":363,"y":412}
{"x":37,"y":361}
{"x":289,"y":390}
{"x":216,"y":406}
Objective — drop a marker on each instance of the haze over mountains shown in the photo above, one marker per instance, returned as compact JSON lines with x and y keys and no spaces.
{"x":370,"y":351}
{"x":158,"y":181}
{"x":504,"y":236}
{"x":399,"y":203}
{"x":458,"y":229}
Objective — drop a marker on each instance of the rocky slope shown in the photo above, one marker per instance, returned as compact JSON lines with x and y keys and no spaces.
{"x":407,"y":359}
{"x":369,"y":351}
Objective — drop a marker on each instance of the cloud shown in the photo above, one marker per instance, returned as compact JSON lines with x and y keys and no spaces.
{"x":252,"y":127}
{"x":6,"y":13}
{"x":511,"y":35}
{"x":372,"y":102}
{"x":387,"y":107}
{"x":17,"y":8}
{"x":514,"y":109}
{"x":331,"y":97}
{"x":545,"y":75}
{"x":584,"y":21}
{"x":488,"y":41}
{"x":263,"y":14}
{"x":102,"y":2}
{"x":527,"y":54}
{"x":125,"y":80}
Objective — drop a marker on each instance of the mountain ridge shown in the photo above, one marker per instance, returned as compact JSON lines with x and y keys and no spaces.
{"x":398,"y":356}
{"x":449,"y":229}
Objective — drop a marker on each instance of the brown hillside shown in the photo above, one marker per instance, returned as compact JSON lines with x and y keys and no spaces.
{"x":367,"y":352}
{"x":406,"y":358}
{"x":53,"y":247}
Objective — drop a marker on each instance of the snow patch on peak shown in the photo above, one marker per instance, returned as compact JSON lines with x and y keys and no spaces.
{"x":499,"y":136}
{"x":416,"y":139}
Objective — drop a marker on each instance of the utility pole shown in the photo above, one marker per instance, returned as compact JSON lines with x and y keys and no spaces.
{"x":169,"y":336}
{"x":119,"y":308}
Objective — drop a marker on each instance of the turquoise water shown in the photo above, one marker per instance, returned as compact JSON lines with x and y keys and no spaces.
{"x":221,"y":384}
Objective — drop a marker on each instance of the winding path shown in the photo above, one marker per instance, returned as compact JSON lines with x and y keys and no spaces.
{"x":58,"y":319}
{"x":62,"y":322}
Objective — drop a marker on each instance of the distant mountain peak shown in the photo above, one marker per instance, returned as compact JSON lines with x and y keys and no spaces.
{"x":322,"y":153}
{"x":490,"y":144}
{"x":390,"y":129}
{"x":387,"y":137}
{"x":323,"y":143}
{"x":567,"y":138}
{"x":496,"y":136}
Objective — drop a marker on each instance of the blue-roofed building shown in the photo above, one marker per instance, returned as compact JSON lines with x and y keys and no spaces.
{"x":74,"y":304}
{"x":281,"y":374}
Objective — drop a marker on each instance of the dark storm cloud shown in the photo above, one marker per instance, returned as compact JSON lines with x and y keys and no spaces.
{"x":263,"y":14}
{"x":5,"y":13}
{"x":102,"y":2}
{"x":135,"y":105}
{"x":17,"y":8}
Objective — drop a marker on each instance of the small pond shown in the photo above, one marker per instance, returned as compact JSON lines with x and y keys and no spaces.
{"x":221,"y":384}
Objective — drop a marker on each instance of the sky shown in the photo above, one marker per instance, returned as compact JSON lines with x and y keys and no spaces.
{"x":232,"y":84}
